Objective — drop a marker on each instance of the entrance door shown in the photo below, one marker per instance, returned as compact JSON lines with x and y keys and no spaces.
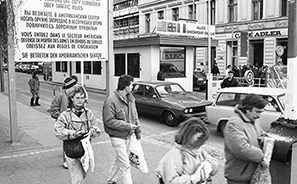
{"x":256,"y":53}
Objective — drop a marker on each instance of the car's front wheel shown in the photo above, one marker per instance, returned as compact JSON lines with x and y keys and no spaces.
{"x":170,"y":119}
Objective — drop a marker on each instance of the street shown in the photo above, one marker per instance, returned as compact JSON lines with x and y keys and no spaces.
{"x":153,"y":132}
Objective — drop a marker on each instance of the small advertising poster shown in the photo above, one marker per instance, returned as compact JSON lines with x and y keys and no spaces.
{"x":61,"y":30}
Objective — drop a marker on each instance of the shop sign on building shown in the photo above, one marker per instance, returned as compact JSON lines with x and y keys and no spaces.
{"x":61,"y":30}
{"x":184,"y":29}
{"x":268,"y":33}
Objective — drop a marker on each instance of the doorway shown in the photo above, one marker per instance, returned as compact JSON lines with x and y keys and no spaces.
{"x":256,"y":53}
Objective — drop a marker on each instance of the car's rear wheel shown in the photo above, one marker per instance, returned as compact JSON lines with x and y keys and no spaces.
{"x":170,"y":119}
{"x":222,"y":127}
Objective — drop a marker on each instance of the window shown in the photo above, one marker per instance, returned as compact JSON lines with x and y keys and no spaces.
{"x":257,"y":9}
{"x":172,"y":61}
{"x":133,"y":65}
{"x":212,"y":12}
{"x":192,"y":11}
{"x":230,"y":99}
{"x":120,"y":64}
{"x":147,"y":22}
{"x":161,"y":14}
{"x":175,"y":13}
{"x":284,"y":8}
{"x":97,"y":67}
{"x":87,"y":67}
{"x":61,"y":66}
{"x":58,"y":66}
{"x":64,"y":66}
{"x":77,"y":67}
{"x":232,"y":10}
{"x":138,"y":90}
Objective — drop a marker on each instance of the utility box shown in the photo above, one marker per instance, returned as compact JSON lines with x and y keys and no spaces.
{"x":283,"y":165}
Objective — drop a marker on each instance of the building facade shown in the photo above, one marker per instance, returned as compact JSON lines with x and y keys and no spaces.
{"x":251,"y":32}
{"x":247,"y":32}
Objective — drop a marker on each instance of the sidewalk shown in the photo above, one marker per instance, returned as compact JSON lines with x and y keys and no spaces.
{"x":37,"y":158}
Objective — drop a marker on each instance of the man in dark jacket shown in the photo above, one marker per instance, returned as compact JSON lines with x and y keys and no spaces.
{"x":230,"y":81}
{"x":34,"y":85}
{"x":120,"y":120}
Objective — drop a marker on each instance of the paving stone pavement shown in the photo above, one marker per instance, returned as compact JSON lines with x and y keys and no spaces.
{"x":37,"y":158}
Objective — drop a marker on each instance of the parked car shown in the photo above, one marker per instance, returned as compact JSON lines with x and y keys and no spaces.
{"x":170,"y":70}
{"x":199,"y":80}
{"x":167,"y":100}
{"x":223,"y":105}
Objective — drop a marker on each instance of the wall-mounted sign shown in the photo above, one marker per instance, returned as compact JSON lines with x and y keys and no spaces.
{"x":184,"y":29}
{"x":249,"y":76}
{"x":279,"y":50}
{"x":61,"y":30}
{"x":268,"y":33}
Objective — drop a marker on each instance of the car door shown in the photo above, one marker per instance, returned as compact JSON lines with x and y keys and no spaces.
{"x":222,"y":108}
{"x":150,"y":101}
{"x":138,"y":92}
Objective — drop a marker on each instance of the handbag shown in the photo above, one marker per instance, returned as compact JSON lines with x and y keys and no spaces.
{"x":136,"y":155}
{"x":74,"y":148}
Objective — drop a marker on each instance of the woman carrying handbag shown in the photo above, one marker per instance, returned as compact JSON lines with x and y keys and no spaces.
{"x":74,"y":124}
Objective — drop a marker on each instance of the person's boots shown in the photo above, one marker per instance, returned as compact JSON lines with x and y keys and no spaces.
{"x":36,"y":102}
{"x":32,"y":102}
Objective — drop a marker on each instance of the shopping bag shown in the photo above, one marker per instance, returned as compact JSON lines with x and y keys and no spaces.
{"x":87,"y":160}
{"x":262,"y":174}
{"x":136,"y":155}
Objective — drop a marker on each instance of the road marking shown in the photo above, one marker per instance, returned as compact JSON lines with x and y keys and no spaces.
{"x":42,"y":151}
{"x":166,"y":133}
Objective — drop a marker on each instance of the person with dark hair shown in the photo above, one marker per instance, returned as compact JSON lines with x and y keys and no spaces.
{"x":187,"y":161}
{"x":120,"y":120}
{"x":242,"y":147}
{"x":230,"y":81}
{"x":76,"y":122}
{"x":215,"y":69}
{"x":34,"y":85}
{"x":59,"y":104}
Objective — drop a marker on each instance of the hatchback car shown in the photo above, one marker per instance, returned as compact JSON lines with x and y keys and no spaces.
{"x":167,"y":100}
{"x":223,"y":106}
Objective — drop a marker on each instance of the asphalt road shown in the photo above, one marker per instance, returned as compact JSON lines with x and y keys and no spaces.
{"x":151,"y":127}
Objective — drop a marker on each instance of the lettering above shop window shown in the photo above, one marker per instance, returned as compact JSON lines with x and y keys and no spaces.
{"x":264,"y":34}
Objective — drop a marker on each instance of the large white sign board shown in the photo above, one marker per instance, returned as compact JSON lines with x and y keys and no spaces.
{"x":184,"y":29}
{"x":61,"y":30}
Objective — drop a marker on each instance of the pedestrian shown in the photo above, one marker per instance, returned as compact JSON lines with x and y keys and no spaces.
{"x":187,"y":162}
{"x":230,"y":81}
{"x":242,"y":148}
{"x":227,"y":70}
{"x":34,"y":85}
{"x":120,"y":120}
{"x":76,"y":122}
{"x":59,"y":104}
{"x":215,"y":70}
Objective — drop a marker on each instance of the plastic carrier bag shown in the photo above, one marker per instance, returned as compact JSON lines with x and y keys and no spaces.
{"x":136,"y":155}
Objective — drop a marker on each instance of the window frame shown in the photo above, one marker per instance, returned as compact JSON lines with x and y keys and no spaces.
{"x":257,"y":9}
{"x":233,"y":10}
{"x":119,"y":70}
{"x":133,"y":68}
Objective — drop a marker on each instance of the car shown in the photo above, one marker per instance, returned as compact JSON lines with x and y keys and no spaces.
{"x":225,"y":100}
{"x":170,"y":70}
{"x":167,"y":100}
{"x":199,"y":80}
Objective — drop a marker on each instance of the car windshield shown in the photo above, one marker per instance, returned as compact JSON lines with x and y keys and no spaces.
{"x":170,"y":89}
{"x":199,"y":74}
{"x":281,"y":99}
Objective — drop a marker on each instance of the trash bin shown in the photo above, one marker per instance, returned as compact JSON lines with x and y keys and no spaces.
{"x":282,"y":164}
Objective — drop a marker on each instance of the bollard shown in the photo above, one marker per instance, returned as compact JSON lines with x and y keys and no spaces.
{"x":283,"y":165}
